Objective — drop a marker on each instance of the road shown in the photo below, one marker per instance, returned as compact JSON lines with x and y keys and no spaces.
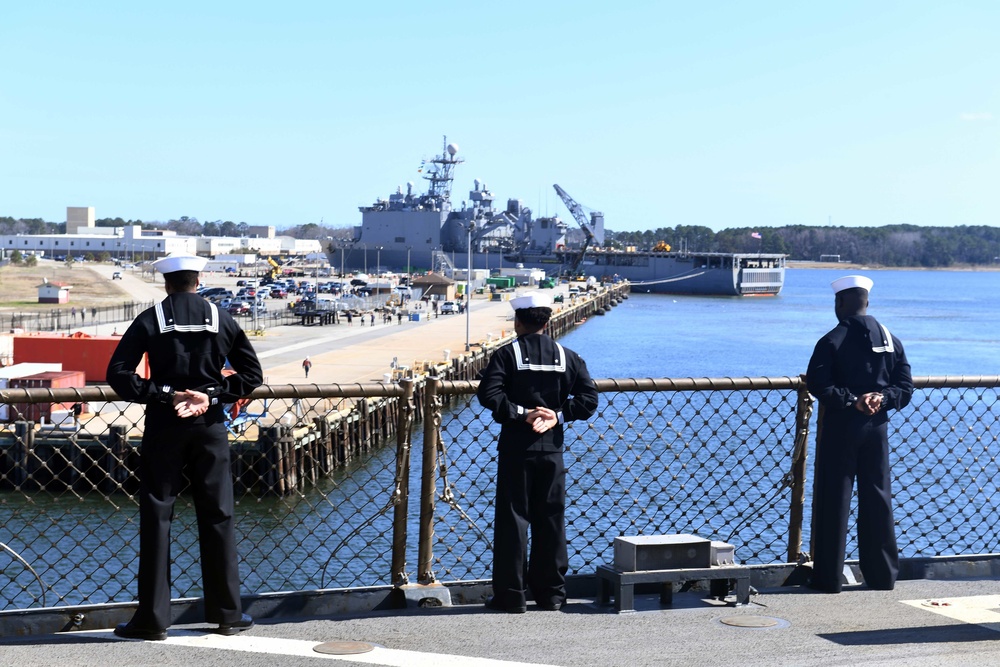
{"x":343,"y":354}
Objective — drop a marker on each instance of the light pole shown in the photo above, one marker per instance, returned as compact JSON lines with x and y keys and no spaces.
{"x":256,"y":299}
{"x":378,"y":259}
{"x":341,"y":262}
{"x":468,"y":291}
{"x":408,"y":271}
{"x":365,"y":246}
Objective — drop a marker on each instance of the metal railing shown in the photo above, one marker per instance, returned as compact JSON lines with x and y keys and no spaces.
{"x":67,"y":318}
{"x":338,"y":487}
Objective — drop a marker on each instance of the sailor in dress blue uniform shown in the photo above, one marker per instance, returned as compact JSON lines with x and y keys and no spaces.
{"x":532,"y":386}
{"x":188,"y":341}
{"x":858,"y":372}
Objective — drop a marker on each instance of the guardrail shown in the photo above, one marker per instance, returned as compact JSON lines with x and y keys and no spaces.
{"x":336,"y":487}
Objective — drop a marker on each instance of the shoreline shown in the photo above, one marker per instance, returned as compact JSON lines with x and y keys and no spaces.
{"x":808,"y":264}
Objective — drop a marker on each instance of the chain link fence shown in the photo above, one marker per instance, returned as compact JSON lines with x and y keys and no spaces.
{"x":710,"y":458}
{"x":63,"y":318}
{"x":338,"y":487}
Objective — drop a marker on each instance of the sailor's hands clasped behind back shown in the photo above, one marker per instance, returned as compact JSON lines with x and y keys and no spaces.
{"x":190,"y":403}
{"x":870,"y":403}
{"x":542,"y":419}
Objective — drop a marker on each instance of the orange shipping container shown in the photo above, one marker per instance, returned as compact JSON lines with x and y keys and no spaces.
{"x":77,"y":352}
{"x":48,"y":380}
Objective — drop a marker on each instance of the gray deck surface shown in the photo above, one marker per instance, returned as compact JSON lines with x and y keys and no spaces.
{"x":857,"y":627}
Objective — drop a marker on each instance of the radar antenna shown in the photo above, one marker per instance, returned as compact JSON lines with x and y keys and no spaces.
{"x":441,"y":172}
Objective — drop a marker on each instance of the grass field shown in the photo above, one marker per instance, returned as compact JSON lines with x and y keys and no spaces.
{"x":19,"y":287}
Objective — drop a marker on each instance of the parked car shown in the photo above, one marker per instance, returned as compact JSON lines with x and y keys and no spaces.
{"x":449,"y":307}
{"x":219,"y":297}
{"x":117,"y":275}
{"x":239,"y":307}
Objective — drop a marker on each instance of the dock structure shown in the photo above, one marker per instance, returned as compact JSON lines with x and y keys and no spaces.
{"x":292,"y":443}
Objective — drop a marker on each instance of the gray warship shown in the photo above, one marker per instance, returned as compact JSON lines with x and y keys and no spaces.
{"x":413,"y":232}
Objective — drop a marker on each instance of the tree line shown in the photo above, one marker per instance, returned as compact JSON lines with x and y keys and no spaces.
{"x":891,"y":245}
{"x":184,"y":225}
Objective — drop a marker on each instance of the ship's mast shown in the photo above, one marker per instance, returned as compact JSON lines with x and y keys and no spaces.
{"x":441,"y":174}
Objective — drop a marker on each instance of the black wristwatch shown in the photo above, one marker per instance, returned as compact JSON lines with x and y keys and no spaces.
{"x":166,"y":394}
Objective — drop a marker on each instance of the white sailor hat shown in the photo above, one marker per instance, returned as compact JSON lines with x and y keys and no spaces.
{"x":847,"y":282}
{"x":531,"y":300}
{"x":180,"y":262}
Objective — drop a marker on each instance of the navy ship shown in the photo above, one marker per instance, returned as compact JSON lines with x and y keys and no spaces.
{"x":411,"y":231}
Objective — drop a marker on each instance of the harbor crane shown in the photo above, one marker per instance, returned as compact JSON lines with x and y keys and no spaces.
{"x":593,"y":228}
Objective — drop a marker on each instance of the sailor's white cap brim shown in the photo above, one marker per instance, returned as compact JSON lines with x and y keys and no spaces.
{"x":179,"y":262}
{"x":848,"y":282}
{"x":531,"y":300}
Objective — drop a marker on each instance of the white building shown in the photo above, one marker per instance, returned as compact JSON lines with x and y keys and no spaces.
{"x":129,"y":243}
{"x":53,"y":292}
{"x":132,"y":243}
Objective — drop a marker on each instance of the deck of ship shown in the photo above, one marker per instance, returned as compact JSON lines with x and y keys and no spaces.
{"x":922,"y":622}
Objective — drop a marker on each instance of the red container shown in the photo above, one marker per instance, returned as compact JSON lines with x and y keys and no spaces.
{"x":48,"y":380}
{"x":77,"y":352}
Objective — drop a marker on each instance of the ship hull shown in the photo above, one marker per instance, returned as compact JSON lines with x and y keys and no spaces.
{"x":704,"y":274}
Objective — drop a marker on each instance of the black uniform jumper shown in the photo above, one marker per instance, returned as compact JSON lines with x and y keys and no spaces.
{"x":188,"y":341}
{"x":532,"y":371}
{"x":857,"y":357}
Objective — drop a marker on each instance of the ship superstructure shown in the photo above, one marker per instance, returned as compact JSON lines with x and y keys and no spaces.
{"x":410,"y":231}
{"x":424,"y":225}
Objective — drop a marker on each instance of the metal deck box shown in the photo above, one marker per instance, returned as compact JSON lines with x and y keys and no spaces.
{"x":661,"y":552}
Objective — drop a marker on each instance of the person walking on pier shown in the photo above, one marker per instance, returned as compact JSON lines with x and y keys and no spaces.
{"x":858,"y":372}
{"x":188,"y":340}
{"x":306,"y":365}
{"x":532,"y":386}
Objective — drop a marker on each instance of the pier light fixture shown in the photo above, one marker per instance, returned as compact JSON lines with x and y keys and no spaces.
{"x":468,"y":290}
{"x":365,"y":247}
{"x":378,"y":260}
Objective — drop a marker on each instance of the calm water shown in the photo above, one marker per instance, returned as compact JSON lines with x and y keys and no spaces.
{"x":948,"y":321}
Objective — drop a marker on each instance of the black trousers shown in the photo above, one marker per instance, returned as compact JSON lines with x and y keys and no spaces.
{"x":531,"y":492}
{"x":202,"y":451}
{"x":849,"y":448}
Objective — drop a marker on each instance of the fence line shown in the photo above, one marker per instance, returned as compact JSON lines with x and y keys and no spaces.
{"x":324,"y":475}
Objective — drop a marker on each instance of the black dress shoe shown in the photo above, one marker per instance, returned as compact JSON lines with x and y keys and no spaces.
{"x":128,"y":631}
{"x":236,"y":627}
{"x":551,"y":605}
{"x":823,"y":588}
{"x":493,"y":603}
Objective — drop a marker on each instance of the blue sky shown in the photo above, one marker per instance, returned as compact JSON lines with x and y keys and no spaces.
{"x":723,"y":114}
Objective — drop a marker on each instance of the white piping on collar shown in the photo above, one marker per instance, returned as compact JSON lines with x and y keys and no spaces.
{"x":522,"y":365}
